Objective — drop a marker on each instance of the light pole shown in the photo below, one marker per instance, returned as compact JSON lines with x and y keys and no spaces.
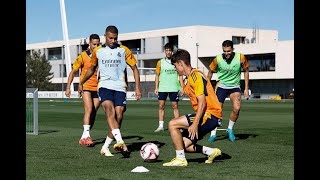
{"x":197,"y":45}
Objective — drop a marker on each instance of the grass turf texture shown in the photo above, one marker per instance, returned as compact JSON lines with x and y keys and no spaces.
{"x":264,"y":146}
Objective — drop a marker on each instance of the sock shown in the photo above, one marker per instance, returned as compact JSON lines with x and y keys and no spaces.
{"x":214,"y":132}
{"x":161,"y":124}
{"x":107,"y":142}
{"x":117,"y":135}
{"x":207,"y":150}
{"x":86,"y":131}
{"x":231,"y":124}
{"x":180,"y":154}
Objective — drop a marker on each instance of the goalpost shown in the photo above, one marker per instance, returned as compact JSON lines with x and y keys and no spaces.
{"x":32,"y":111}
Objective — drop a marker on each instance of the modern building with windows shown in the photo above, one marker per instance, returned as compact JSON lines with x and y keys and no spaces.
{"x":271,"y":61}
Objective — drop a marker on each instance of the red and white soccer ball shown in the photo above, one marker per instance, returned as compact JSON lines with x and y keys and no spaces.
{"x":149,"y":152}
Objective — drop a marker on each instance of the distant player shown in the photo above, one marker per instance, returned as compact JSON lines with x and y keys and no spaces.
{"x":228,"y":66}
{"x":90,"y":89}
{"x":112,"y":59}
{"x":167,"y":83}
{"x":207,"y":115}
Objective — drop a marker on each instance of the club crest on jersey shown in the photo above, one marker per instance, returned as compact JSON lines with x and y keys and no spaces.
{"x":119,"y":55}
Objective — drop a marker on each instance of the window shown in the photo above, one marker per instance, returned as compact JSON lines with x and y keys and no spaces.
{"x":261,"y":62}
{"x":163,"y":43}
{"x":63,"y":70}
{"x":55,"y":53}
{"x":238,"y":39}
{"x":143,"y":45}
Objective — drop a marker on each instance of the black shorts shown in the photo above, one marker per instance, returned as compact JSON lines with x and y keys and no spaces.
{"x":210,"y":123}
{"x":222,"y":94}
{"x":94,"y":94}
{"x":174,"y":96}
{"x":118,"y":98}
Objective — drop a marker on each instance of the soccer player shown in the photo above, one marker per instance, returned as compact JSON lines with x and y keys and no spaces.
{"x":112,"y":60}
{"x":90,"y":88}
{"x":228,"y":66}
{"x":167,"y":83}
{"x":208,"y":113}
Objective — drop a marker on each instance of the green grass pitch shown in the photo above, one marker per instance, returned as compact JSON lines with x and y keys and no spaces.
{"x":264,"y":146}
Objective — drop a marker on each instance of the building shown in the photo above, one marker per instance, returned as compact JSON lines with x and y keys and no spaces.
{"x":271,"y":61}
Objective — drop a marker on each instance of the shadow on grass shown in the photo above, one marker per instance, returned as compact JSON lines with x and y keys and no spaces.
{"x":102,"y":140}
{"x":238,"y":136}
{"x":47,"y":131}
{"x":136,"y":146}
{"x":222,"y":157}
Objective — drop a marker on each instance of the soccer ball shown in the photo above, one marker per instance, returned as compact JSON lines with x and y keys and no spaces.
{"x":149,"y":152}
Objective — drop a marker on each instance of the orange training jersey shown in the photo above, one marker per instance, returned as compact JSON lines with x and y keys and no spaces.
{"x":158,"y":66}
{"x":243,"y":60}
{"x":199,"y":84}
{"x":83,"y":62}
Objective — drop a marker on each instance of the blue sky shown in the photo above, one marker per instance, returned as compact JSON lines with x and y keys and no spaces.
{"x":84,"y":17}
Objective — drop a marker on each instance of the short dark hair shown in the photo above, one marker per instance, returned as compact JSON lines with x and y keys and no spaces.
{"x":112,"y":29}
{"x":168,"y":46}
{"x":227,"y":43}
{"x":181,"y":55}
{"x":94,"y":36}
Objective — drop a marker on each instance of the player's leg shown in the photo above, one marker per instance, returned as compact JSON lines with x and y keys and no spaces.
{"x":211,"y":122}
{"x":96,"y":104}
{"x":162,"y":96}
{"x":235,"y":98}
{"x":88,"y":106}
{"x":174,"y":98}
{"x":174,"y":128}
{"x":221,"y":94}
{"x":119,"y":99}
{"x":107,"y":102}
{"x":105,"y":148}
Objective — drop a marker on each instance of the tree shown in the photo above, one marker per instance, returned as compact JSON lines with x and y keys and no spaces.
{"x":38,"y":71}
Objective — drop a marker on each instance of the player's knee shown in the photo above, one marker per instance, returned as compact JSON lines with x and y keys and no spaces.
{"x":236,"y":110}
{"x":119,"y":116}
{"x":172,"y":124}
{"x":174,"y":106}
{"x":161,"y":107}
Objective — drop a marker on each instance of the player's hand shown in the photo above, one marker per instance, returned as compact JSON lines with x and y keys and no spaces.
{"x":181,"y":92}
{"x":67,"y":93}
{"x":156,"y":91}
{"x":80,"y":90}
{"x":246,"y":94}
{"x":193,"y":131}
{"x":138,"y":95}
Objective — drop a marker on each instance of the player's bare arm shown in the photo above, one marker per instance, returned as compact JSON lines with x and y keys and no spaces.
{"x":210,"y":74}
{"x":87,"y":76}
{"x":193,"y":129}
{"x":156,"y":84}
{"x":246,"y":82}
{"x":182,"y":85}
{"x":137,"y":80}
{"x":70,"y":79}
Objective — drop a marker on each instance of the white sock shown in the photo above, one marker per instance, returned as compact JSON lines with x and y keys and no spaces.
{"x":214,"y":132}
{"x":86,"y":131}
{"x":117,"y":135}
{"x":107,"y":142}
{"x":161,"y":124}
{"x":207,"y":150}
{"x":231,"y":124}
{"x":180,"y":154}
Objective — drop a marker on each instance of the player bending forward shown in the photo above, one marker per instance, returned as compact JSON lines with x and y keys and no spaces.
{"x":207,"y":117}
